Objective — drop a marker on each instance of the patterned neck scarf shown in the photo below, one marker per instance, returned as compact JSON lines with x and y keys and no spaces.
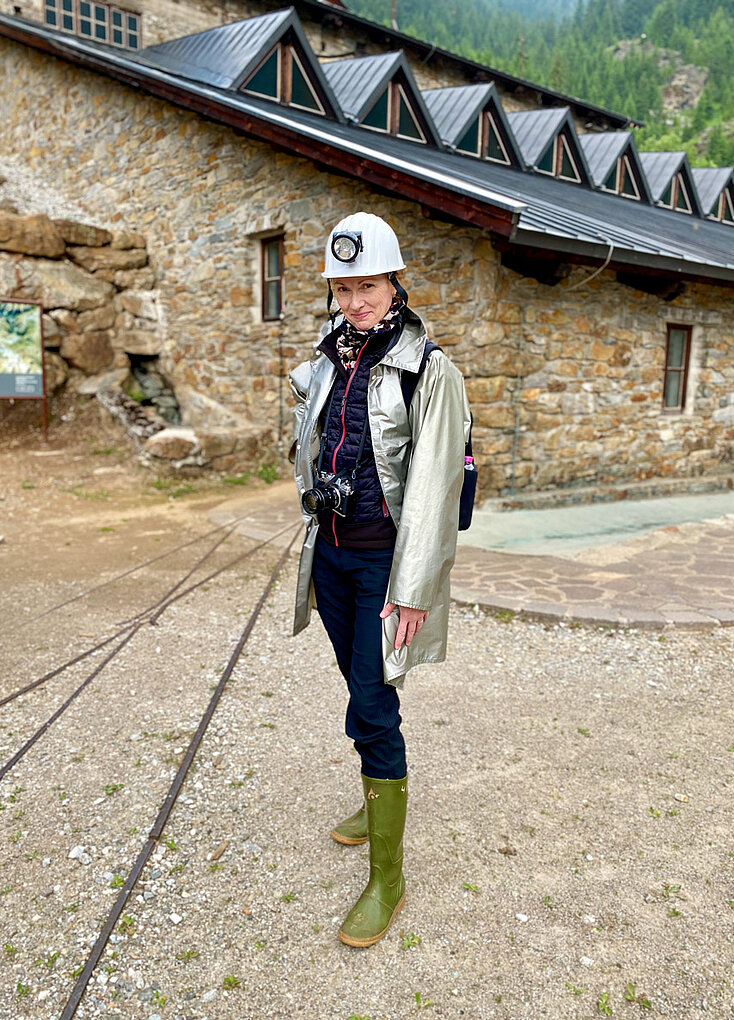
{"x":351,"y":340}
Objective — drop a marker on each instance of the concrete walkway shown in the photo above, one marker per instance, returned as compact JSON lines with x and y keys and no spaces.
{"x":650,"y":563}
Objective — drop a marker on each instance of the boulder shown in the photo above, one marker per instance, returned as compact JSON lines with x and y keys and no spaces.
{"x":30,"y":235}
{"x":51,"y":332}
{"x":174,"y":443}
{"x":82,"y":233}
{"x":91,"y":352}
{"x":62,"y":285}
{"x":107,"y":258}
{"x":216,"y":442}
{"x":204,"y":412}
{"x":141,"y":305}
{"x":127,"y":239}
{"x":134,"y":279}
{"x":55,"y":371}
{"x":97,"y":318}
{"x":137,"y":341}
{"x":111,"y":382}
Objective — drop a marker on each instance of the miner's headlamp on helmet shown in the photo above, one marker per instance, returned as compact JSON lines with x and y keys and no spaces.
{"x":363,"y":245}
{"x":346,"y":245}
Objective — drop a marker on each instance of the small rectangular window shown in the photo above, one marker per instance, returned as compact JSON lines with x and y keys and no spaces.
{"x":677,"y":358}
{"x":272,"y":278}
{"x":100,"y":22}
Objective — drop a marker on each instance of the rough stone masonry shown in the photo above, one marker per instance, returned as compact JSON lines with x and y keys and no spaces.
{"x":565,"y":381}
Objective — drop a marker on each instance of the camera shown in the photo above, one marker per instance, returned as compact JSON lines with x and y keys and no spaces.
{"x":329,"y":492}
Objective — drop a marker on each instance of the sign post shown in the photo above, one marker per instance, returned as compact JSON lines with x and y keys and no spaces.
{"x":21,"y":353}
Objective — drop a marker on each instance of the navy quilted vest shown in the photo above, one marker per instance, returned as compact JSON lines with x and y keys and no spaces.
{"x":347,"y":414}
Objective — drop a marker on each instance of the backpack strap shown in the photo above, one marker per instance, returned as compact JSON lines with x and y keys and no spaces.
{"x":409,"y":380}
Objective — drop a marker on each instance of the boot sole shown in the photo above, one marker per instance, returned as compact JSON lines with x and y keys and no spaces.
{"x":348,"y":840}
{"x":363,"y":943}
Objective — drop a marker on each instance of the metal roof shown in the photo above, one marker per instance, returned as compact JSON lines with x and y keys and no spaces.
{"x":532,"y":211}
{"x":661,"y":167}
{"x":227,"y":55}
{"x":602,"y":150}
{"x":358,"y":81}
{"x":385,"y":35}
{"x":221,"y":56}
{"x":710,"y":182}
{"x":455,"y":107}
{"x":535,"y":129}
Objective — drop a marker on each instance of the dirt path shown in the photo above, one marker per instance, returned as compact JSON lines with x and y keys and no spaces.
{"x":569,"y":845}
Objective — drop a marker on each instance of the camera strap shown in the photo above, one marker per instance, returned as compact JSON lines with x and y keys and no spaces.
{"x":324,"y":432}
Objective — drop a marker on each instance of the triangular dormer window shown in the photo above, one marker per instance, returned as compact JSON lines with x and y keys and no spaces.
{"x":621,"y":180}
{"x":482,"y":138}
{"x":392,"y":113}
{"x":726,"y":207}
{"x":378,"y":117}
{"x":282,"y":77}
{"x":558,"y":161}
{"x":469,"y":142}
{"x":408,"y":126}
{"x":266,"y":80}
{"x":675,"y":196}
{"x":682,"y":202}
{"x":496,"y":150}
{"x":628,"y":185}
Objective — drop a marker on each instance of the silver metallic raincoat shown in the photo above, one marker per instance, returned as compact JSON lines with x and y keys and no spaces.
{"x":420,"y":462}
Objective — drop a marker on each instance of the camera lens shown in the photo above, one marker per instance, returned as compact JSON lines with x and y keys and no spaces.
{"x":313,"y":501}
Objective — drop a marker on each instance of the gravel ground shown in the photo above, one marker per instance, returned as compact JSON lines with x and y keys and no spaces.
{"x":569,"y":848}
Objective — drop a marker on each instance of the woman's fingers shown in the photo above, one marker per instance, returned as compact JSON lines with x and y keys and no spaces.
{"x":411,"y":621}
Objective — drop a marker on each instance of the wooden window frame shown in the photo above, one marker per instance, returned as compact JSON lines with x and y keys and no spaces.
{"x":394,"y":93}
{"x":623,"y":163}
{"x":683,"y":371}
{"x":490,"y":124}
{"x":560,"y":142}
{"x":265,"y":242}
{"x":76,"y":15}
{"x":288,"y":78}
{"x":286,"y":54}
{"x":725,"y":200}
{"x":675,"y":187}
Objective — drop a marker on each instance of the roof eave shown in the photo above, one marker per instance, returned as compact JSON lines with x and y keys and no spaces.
{"x":444,"y":201}
{"x":585,"y":252}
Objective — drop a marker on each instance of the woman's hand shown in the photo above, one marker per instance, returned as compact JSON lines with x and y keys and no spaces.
{"x":411,"y":621}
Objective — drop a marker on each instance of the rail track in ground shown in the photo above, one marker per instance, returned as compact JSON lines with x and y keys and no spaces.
{"x":120,"y":639}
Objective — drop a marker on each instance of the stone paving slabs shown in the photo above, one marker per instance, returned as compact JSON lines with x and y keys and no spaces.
{"x":675,"y":576}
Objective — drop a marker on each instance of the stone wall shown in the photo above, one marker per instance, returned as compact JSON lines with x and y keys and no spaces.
{"x":565,"y":381}
{"x":95,"y":288}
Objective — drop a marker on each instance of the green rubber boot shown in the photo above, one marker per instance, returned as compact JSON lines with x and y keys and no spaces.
{"x":353,"y":830}
{"x":375,"y":910}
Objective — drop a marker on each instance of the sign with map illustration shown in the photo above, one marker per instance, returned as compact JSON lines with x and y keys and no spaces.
{"x":21,"y":349}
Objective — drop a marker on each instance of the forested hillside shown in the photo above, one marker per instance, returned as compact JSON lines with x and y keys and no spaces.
{"x":668,"y":63}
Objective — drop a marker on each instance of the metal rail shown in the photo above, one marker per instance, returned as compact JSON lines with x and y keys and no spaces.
{"x":132,"y":570}
{"x":132,"y":630}
{"x":155,"y":833}
{"x":158,"y":607}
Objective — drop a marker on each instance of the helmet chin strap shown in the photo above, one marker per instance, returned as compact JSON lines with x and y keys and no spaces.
{"x":329,"y":299}
{"x":399,"y":289}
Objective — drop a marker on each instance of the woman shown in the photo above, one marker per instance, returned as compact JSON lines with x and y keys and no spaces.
{"x":380,"y":434}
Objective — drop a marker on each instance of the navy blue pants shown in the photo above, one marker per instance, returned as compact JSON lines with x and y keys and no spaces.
{"x":351,"y":586}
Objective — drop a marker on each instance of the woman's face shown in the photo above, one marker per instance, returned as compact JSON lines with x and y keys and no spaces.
{"x":364,"y":300}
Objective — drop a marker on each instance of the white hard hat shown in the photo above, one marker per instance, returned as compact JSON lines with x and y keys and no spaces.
{"x":361,"y":245}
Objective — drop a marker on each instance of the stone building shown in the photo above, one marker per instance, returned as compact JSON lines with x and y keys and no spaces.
{"x":590,"y":312}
